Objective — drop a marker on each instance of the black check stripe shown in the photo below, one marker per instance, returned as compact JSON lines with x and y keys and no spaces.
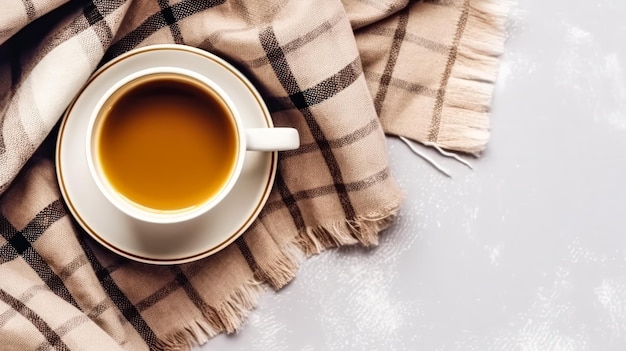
{"x":247,"y":254}
{"x":170,"y":19}
{"x":22,"y":42}
{"x":92,"y":14}
{"x":24,"y":298}
{"x":19,"y":244}
{"x":95,"y":15}
{"x":51,"y":336}
{"x":321,"y":92}
{"x":30,"y":9}
{"x":194,"y":296}
{"x":121,"y":301}
{"x":166,"y":17}
{"x":8,"y":231}
{"x":252,"y":263}
{"x":306,"y":38}
{"x":287,"y":79}
{"x":290,"y":202}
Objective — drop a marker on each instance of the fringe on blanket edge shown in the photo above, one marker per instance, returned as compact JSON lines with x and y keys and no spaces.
{"x":231,"y":314}
{"x":470,"y":87}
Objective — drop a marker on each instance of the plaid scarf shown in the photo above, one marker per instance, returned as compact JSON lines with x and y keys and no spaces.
{"x":343,"y":73}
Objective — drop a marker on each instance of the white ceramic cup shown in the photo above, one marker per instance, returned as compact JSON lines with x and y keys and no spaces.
{"x":248,"y":139}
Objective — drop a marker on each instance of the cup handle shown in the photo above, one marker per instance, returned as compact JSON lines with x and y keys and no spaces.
{"x":272,"y":139}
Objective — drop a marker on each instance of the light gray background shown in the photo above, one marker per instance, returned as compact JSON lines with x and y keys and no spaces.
{"x":527,"y":252}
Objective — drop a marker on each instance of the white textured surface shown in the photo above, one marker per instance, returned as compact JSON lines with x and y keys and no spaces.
{"x":527,"y":252}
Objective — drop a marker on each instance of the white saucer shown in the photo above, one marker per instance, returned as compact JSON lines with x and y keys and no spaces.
{"x":173,"y":243}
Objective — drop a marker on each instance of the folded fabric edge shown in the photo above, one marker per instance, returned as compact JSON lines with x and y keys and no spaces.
{"x":465,"y":117}
{"x":231,"y":314}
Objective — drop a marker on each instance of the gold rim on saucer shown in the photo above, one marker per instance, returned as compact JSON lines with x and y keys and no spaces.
{"x":244,"y":221}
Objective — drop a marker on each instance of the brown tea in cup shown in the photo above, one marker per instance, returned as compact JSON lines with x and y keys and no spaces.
{"x":166,"y":142}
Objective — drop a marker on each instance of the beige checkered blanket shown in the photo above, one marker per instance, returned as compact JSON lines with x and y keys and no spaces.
{"x":343,"y":73}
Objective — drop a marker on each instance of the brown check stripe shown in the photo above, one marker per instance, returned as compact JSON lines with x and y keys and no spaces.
{"x":396,"y":44}
{"x":51,"y":336}
{"x":344,"y":73}
{"x":129,"y":310}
